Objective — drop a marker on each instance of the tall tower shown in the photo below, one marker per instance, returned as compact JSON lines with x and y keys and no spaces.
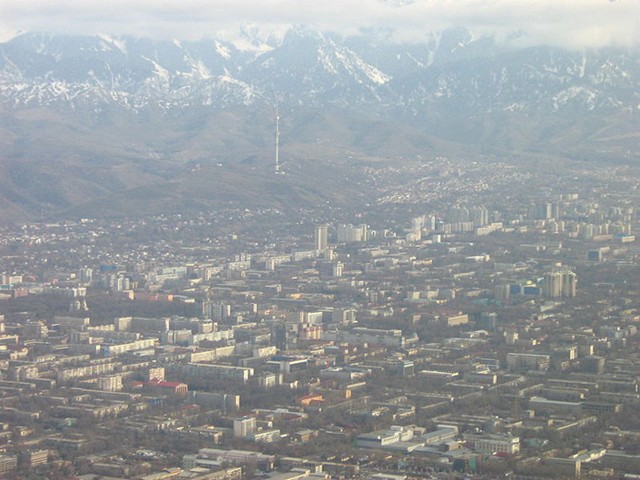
{"x":277,"y":171}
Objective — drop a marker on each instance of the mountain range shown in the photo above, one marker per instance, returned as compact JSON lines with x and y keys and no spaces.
{"x":89,"y":122}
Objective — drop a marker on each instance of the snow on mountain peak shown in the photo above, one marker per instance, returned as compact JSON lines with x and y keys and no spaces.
{"x":108,"y":42}
{"x":222,"y":50}
{"x":307,"y":66}
{"x":158,"y":70}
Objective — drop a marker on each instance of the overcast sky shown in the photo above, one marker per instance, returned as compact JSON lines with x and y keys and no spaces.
{"x":570,"y":23}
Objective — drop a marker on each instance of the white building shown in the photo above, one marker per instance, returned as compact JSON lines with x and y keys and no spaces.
{"x":244,"y":427}
{"x":495,"y":443}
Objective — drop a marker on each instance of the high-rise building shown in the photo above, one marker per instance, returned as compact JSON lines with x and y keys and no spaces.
{"x":552,"y":286}
{"x":244,"y":427}
{"x":559,"y":284}
{"x":350,"y":233}
{"x":321,"y":238}
{"x":569,"y":284}
{"x":337,"y":269}
{"x":479,"y":215}
{"x":544,"y":210}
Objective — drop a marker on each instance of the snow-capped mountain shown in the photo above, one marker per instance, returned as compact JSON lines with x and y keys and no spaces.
{"x":133,"y":73}
{"x":92,"y":121}
{"x":452,"y":71}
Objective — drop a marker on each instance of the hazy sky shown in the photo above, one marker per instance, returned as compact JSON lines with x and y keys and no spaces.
{"x":572,"y":23}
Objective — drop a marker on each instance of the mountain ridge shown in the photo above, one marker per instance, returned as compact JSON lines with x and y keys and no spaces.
{"x":93,"y":117}
{"x":39,"y":68}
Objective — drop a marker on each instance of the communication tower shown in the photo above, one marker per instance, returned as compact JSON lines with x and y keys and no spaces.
{"x":277,"y":165}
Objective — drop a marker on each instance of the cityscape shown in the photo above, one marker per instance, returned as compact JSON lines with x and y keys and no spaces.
{"x":424,"y":337}
{"x":319,"y":240}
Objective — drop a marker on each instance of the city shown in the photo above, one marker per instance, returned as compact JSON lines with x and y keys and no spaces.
{"x":476,"y":320}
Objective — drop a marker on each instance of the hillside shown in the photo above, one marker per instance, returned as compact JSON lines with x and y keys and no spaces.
{"x":101,"y":125}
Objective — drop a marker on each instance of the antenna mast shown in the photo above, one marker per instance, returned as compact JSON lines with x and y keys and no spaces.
{"x":277,"y":143}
